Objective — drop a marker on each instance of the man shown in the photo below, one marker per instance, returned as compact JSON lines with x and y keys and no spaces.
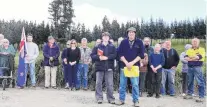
{"x":104,"y":55}
{"x":131,"y":51}
{"x":169,"y":68}
{"x":195,"y":57}
{"x":31,"y":56}
{"x":148,"y":50}
{"x":83,"y":65}
{"x":51,"y":53}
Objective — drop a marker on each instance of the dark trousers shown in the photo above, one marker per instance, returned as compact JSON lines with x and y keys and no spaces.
{"x":142,"y":77}
{"x":155,"y":82}
{"x":184,"y":82}
{"x":66,"y":73}
{"x":72,"y":75}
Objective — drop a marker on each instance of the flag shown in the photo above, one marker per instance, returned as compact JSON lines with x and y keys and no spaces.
{"x":21,"y":74}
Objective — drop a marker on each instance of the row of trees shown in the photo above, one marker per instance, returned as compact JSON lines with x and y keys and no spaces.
{"x":156,"y":29}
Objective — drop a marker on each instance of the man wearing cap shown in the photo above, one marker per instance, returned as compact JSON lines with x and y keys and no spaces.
{"x":131,"y":51}
{"x":104,"y":55}
{"x":31,"y":56}
{"x":51,"y":53}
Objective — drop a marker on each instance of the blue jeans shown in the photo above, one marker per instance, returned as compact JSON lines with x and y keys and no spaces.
{"x":31,"y":68}
{"x":66,"y":73}
{"x":196,"y":72}
{"x":170,"y":75}
{"x":82,"y":76}
{"x":122,"y":87}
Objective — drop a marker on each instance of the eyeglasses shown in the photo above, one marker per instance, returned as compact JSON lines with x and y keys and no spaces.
{"x":68,"y":44}
{"x":72,"y":43}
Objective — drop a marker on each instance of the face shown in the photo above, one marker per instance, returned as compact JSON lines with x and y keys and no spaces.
{"x":68,"y":44}
{"x":167,"y":44}
{"x":131,"y":35}
{"x":105,"y":38}
{"x":146,"y":42}
{"x":195,"y":43}
{"x":84,"y":42}
{"x":73,"y":44}
{"x":29,"y":38}
{"x":6,"y":43}
{"x":52,"y":40}
{"x":157,"y":48}
{"x":98,"y":42}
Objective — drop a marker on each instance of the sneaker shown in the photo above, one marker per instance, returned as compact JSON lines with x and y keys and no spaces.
{"x":183,"y":94}
{"x":199,"y":100}
{"x":111,"y":102}
{"x":188,"y":97}
{"x":136,"y":104}
{"x":157,"y":96}
{"x":72,"y":89}
{"x":99,"y":101}
{"x":77,"y":89}
{"x":119,"y":103}
{"x":149,"y":95}
{"x":85,"y":89}
{"x":54,"y":87}
{"x":67,"y":86}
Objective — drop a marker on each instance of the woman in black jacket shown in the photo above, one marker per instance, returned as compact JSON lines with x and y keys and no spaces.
{"x":73,"y":57}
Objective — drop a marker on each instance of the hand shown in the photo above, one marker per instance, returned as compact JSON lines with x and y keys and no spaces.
{"x":129,"y":65}
{"x":188,"y":59}
{"x":51,"y":58}
{"x":174,"y":68}
{"x":5,"y":53}
{"x":105,"y":58}
{"x":141,"y":64}
{"x":64,"y":60}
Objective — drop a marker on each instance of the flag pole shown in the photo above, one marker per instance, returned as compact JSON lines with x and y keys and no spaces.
{"x":24,"y":37}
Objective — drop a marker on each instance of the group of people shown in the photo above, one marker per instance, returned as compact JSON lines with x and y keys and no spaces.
{"x":156,"y":65}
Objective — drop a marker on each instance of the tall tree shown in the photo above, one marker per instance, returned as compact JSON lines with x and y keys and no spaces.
{"x":106,"y":24}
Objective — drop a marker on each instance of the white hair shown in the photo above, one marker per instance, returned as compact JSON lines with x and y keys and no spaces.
{"x":5,"y":40}
{"x":84,"y":39}
{"x":157,"y":45}
{"x":2,"y":36}
{"x":147,"y":38}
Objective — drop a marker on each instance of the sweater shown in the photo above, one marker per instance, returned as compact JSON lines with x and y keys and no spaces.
{"x":184,"y":62}
{"x":32,"y":51}
{"x":73,"y":55}
{"x":156,"y":60}
{"x":130,"y":53}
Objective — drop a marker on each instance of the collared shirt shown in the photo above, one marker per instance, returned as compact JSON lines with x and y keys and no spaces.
{"x":200,"y":52}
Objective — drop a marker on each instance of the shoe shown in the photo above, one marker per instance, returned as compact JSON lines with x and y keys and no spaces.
{"x":183,"y":94}
{"x":19,"y":87}
{"x":172,"y":95}
{"x":99,"y":101}
{"x":66,"y":86}
{"x":149,"y":95}
{"x":140,"y":94}
{"x":199,"y":100}
{"x":72,"y":89}
{"x":46,"y":87}
{"x":54,"y":87}
{"x":119,"y":103}
{"x":85,"y":89}
{"x":111,"y":102}
{"x":188,"y":97}
{"x":157,"y":96}
{"x":136,"y":104}
{"x":77,"y":89}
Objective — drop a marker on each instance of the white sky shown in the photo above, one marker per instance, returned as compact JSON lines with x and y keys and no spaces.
{"x":85,"y":12}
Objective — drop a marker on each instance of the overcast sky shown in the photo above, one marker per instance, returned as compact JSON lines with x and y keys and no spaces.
{"x":91,"y":12}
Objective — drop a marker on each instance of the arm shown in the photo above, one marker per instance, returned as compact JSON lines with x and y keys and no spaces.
{"x":177,"y":59}
{"x":89,"y":53}
{"x":79,"y":55}
{"x":145,"y":60}
{"x":45,"y":52}
{"x":140,"y":54}
{"x":112,"y":56}
{"x":94,"y":55}
{"x":36,"y":54}
{"x":162,"y":63}
{"x":58,"y":52}
{"x":182,"y":58}
{"x":201,"y":53}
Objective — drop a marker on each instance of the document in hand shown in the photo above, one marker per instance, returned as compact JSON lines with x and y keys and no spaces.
{"x":100,"y":52}
{"x":133,"y":72}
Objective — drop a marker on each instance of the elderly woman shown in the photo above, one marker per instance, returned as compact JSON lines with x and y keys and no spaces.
{"x":6,"y":48}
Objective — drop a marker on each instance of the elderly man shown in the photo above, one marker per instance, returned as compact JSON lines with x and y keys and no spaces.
{"x":171,"y":62}
{"x":131,"y":51}
{"x":83,"y":66}
{"x":195,"y":57}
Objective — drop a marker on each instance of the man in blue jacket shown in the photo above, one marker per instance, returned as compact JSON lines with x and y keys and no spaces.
{"x":131,"y":51}
{"x":104,"y":55}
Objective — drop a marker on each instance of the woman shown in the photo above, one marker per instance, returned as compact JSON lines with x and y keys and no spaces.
{"x":65,"y":65}
{"x":73,"y":57}
{"x":6,"y":48}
